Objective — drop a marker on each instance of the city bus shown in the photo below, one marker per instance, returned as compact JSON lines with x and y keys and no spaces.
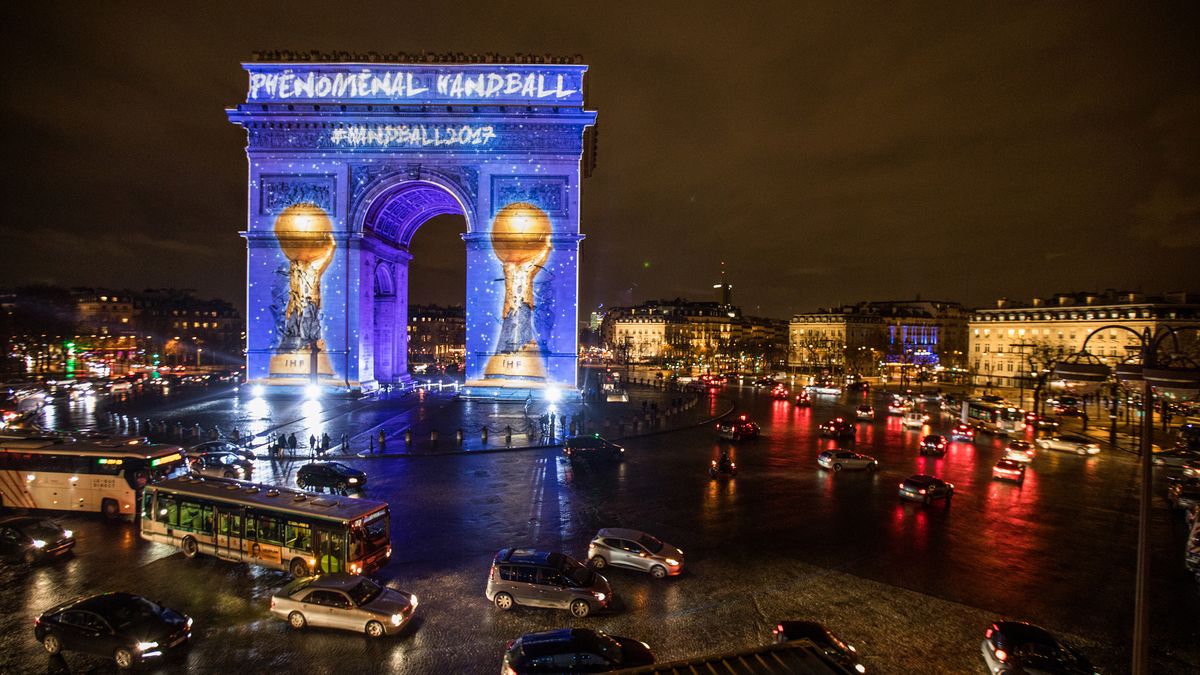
{"x":63,"y":473}
{"x":293,"y":530}
{"x":995,"y":418}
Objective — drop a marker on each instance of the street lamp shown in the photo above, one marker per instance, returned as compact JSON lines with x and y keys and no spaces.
{"x":1087,"y":369}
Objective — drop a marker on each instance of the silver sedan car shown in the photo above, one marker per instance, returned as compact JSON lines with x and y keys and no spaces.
{"x":634,"y":549}
{"x":1080,"y":445}
{"x":845,"y":459}
{"x":345,"y":601}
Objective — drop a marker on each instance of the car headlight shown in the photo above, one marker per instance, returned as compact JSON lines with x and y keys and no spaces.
{"x":600,"y":596}
{"x":353,"y":480}
{"x":671,"y":561}
{"x":396,"y":619}
{"x":38,"y":543}
{"x":68,"y":534}
{"x":188,"y":625}
{"x":412,"y":600}
{"x":146,"y":646}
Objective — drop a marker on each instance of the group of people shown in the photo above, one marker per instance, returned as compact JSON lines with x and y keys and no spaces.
{"x":280,"y":443}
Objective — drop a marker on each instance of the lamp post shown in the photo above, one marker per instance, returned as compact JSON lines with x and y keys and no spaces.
{"x":1150,"y":374}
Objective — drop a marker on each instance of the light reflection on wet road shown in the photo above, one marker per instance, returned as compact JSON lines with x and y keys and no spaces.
{"x":911,"y":585}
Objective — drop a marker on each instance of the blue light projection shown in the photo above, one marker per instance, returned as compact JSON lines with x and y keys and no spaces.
{"x":348,"y":160}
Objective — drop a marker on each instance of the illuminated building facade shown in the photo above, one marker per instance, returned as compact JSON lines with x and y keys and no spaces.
{"x":436,"y":335}
{"x":348,"y":159}
{"x":1014,"y":342}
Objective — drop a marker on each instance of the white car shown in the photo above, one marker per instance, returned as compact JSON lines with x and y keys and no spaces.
{"x":1019,"y":451}
{"x":845,"y":459}
{"x":345,"y":601}
{"x":1079,"y":445}
{"x":914,"y":420}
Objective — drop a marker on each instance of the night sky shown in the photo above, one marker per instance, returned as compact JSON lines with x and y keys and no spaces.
{"x":826,"y":155}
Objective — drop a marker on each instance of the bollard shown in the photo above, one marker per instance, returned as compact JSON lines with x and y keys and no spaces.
{"x":483,"y":434}
{"x":433,"y":437}
{"x":458,"y":436}
{"x":408,"y":438}
{"x":508,"y":435}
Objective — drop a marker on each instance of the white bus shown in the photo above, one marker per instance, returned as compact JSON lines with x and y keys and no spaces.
{"x":63,"y":473}
{"x":995,"y":418}
{"x":301,"y":532}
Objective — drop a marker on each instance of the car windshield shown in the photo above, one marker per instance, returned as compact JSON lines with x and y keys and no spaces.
{"x":339,"y":467}
{"x":603,"y":646}
{"x":136,"y":610}
{"x":41,"y":529}
{"x":364,"y":592}
{"x":653,"y":545}
{"x":579,"y":575}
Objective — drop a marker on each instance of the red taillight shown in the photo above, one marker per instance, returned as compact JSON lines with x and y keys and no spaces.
{"x":493,"y":576}
{"x":37,"y":620}
{"x":988,"y":634}
{"x":510,"y":644}
{"x":778,"y":629}
{"x":1001,"y":655}
{"x":920,"y":492}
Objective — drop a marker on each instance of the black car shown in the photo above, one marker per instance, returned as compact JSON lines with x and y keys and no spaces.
{"x":31,"y":539}
{"x":1019,"y":647}
{"x":574,"y":650}
{"x":925,"y":488}
{"x":845,"y":655}
{"x":933,"y":444}
{"x":333,"y":475}
{"x":127,"y":628}
{"x":594,"y":446}
{"x":837,"y":427}
{"x":738,"y":429}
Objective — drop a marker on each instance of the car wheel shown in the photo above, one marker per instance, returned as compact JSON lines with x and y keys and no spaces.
{"x":124,"y":658}
{"x":297,"y":621}
{"x":300,"y":484}
{"x":298,"y":568}
{"x":374,"y":629}
{"x":230,"y":474}
{"x":837,"y":467}
{"x":110,"y":509}
{"x":341,"y":486}
{"x":580,"y":608}
{"x":658,"y":572}
{"x":1043,"y":445}
{"x":51,"y":644}
{"x":190,"y":547}
{"x":504,"y":601}
{"x":599,"y":562}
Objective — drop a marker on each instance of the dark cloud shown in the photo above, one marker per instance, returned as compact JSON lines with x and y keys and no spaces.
{"x":826,"y":154}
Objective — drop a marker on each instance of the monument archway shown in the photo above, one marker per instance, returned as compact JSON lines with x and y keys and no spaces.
{"x":348,"y":159}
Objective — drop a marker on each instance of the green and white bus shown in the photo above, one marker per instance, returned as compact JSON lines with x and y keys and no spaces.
{"x":293,"y":530}
{"x":66,"y":473}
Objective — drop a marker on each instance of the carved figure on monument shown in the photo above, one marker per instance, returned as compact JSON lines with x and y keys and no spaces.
{"x":305,"y":236}
{"x":521,"y":240}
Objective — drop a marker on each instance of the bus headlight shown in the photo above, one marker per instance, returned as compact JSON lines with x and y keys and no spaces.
{"x":38,"y":543}
{"x":146,"y":646}
{"x":396,"y":619}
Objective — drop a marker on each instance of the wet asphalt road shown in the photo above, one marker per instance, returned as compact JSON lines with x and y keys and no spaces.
{"x":912,"y":586}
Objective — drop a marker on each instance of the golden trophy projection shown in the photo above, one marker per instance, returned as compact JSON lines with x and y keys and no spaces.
{"x":305,"y":234}
{"x":521,"y":240}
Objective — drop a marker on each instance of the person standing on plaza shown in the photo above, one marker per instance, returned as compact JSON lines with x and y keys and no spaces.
{"x":345,"y":443}
{"x":292,"y":443}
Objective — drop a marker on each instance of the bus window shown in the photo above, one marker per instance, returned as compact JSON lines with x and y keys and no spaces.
{"x":269,"y":529}
{"x":195,"y":517}
{"x":230,"y":524}
{"x":298,"y":536}
{"x":333,"y":551}
{"x":168,"y":512}
{"x":148,"y":505}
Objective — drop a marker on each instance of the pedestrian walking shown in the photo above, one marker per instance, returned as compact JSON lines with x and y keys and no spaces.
{"x":236,"y":436}
{"x":382,"y":439}
{"x":324,"y":443}
{"x":345,"y":444}
{"x":292,"y":443}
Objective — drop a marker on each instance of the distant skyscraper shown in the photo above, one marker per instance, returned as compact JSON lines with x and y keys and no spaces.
{"x":724,"y":290}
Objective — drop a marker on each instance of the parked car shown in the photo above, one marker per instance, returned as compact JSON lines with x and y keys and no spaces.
{"x":31,"y":539}
{"x":344,"y":601}
{"x":933,"y":444}
{"x":1019,"y":451}
{"x":634,"y":549}
{"x":924,"y":488}
{"x":845,"y":459}
{"x":838,"y":427}
{"x":574,"y":650}
{"x":914,"y":420}
{"x":592,"y":446}
{"x":127,"y":628}
{"x":1009,"y":469}
{"x":963,"y":432}
{"x":334,"y":475}
{"x":864,"y":412}
{"x":834,"y":647}
{"x":220,"y":465}
{"x":1174,"y":457}
{"x":1019,"y":647}
{"x":1184,"y":493}
{"x":1080,"y":445}
{"x":738,"y":429}
{"x":525,"y":576}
